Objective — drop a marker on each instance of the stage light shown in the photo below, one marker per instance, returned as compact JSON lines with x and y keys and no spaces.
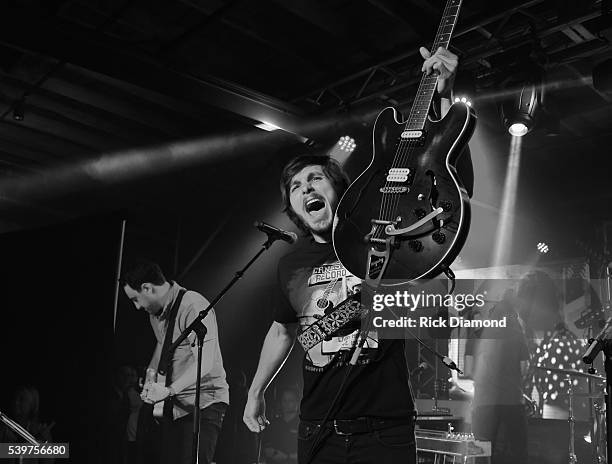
{"x":342,"y":149}
{"x":518,"y":129}
{"x":519,"y":110}
{"x":463,"y":99}
{"x":543,"y":247}
{"x":464,"y":88}
{"x":347,"y":144}
{"x":267,"y":126}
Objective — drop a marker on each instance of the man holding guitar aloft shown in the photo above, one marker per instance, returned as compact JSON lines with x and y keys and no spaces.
{"x":171,"y":309}
{"x":373,"y":419}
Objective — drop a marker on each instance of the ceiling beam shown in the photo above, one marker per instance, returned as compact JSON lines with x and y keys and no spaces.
{"x":67,"y":42}
{"x":169,"y":115}
{"x":215,"y":15}
{"x":55,"y":124}
{"x":276,"y":45}
{"x":94,"y":93}
{"x":30,"y":155}
{"x":17,"y":165}
{"x":317,"y":15}
{"x":401,"y":12}
{"x":86,"y":114}
{"x":515,"y":38}
{"x":39,"y":140}
{"x":332,"y":24}
{"x":463,"y":28}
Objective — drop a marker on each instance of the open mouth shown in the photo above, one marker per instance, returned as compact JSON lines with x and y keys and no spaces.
{"x":314,"y":204}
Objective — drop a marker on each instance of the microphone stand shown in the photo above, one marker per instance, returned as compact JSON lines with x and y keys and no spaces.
{"x":18,"y":429}
{"x":200,"y":330}
{"x":597,"y":344}
{"x":607,"y":349}
{"x":603,"y":343}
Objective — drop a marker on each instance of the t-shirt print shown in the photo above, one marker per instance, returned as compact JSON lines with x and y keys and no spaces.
{"x":326,"y":286}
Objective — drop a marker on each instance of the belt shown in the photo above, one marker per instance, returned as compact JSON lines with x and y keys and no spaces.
{"x":359,"y":425}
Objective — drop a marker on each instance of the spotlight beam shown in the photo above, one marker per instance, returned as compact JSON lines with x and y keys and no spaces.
{"x":503,"y":240}
{"x":122,"y":166}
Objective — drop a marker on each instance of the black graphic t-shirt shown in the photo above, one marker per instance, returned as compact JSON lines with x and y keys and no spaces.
{"x":311,"y":281}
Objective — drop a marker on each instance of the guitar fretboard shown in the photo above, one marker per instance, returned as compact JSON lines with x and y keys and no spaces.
{"x":427,"y":86}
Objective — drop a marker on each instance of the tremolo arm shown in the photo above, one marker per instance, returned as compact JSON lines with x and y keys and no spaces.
{"x":391,"y":230}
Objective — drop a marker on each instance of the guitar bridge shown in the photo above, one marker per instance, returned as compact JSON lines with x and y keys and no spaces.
{"x":382,"y":222}
{"x":380,"y":241}
{"x":369,"y":238}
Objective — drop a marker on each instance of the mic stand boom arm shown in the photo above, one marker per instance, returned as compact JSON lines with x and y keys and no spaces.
{"x":237,"y":276}
{"x":200,"y":331}
{"x":597,"y":344}
{"x":18,"y":429}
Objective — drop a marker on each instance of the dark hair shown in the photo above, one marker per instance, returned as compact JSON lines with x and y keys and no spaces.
{"x":332,"y":170}
{"x":140,"y":272}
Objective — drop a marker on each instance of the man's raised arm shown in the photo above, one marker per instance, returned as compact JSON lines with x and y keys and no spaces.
{"x":275,"y":350}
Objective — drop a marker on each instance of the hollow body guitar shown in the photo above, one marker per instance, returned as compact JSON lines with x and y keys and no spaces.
{"x":409,"y":199}
{"x":407,"y":215}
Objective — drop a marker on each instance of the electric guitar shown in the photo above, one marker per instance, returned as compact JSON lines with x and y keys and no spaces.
{"x":156,"y":409}
{"x":407,"y":215}
{"x":323,"y":301}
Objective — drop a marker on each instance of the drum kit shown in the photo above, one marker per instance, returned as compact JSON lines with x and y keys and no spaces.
{"x":595,"y":395}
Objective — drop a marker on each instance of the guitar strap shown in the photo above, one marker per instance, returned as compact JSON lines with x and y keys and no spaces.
{"x":375,"y":269}
{"x":165,"y":360}
{"x":350,"y":309}
{"x":347,"y":311}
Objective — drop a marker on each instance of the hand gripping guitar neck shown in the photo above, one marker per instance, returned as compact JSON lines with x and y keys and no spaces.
{"x":409,"y":204}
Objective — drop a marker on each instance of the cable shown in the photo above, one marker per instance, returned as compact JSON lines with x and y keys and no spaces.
{"x":258,"y":441}
{"x":360,"y":342}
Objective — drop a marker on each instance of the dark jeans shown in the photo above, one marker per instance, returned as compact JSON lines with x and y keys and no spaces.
{"x":505,"y":426}
{"x":393,"y":445}
{"x":177,"y":436}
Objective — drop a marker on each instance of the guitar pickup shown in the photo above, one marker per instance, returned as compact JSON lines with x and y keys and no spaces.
{"x":403,"y":175}
{"x":399,"y":175}
{"x":413,"y":136}
{"x":394,"y":190}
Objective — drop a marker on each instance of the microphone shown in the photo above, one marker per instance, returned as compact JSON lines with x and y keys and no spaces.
{"x":597,"y":344}
{"x":448,"y":362}
{"x":274,"y":232}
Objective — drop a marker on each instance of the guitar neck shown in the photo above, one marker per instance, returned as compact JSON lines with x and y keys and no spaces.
{"x":427,"y":86}
{"x":329,"y":288}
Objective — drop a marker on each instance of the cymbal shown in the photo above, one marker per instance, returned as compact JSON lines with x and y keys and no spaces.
{"x":572,"y":372}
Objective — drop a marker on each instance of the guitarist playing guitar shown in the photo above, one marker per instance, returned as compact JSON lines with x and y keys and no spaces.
{"x":171,"y":309}
{"x":372,"y":420}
